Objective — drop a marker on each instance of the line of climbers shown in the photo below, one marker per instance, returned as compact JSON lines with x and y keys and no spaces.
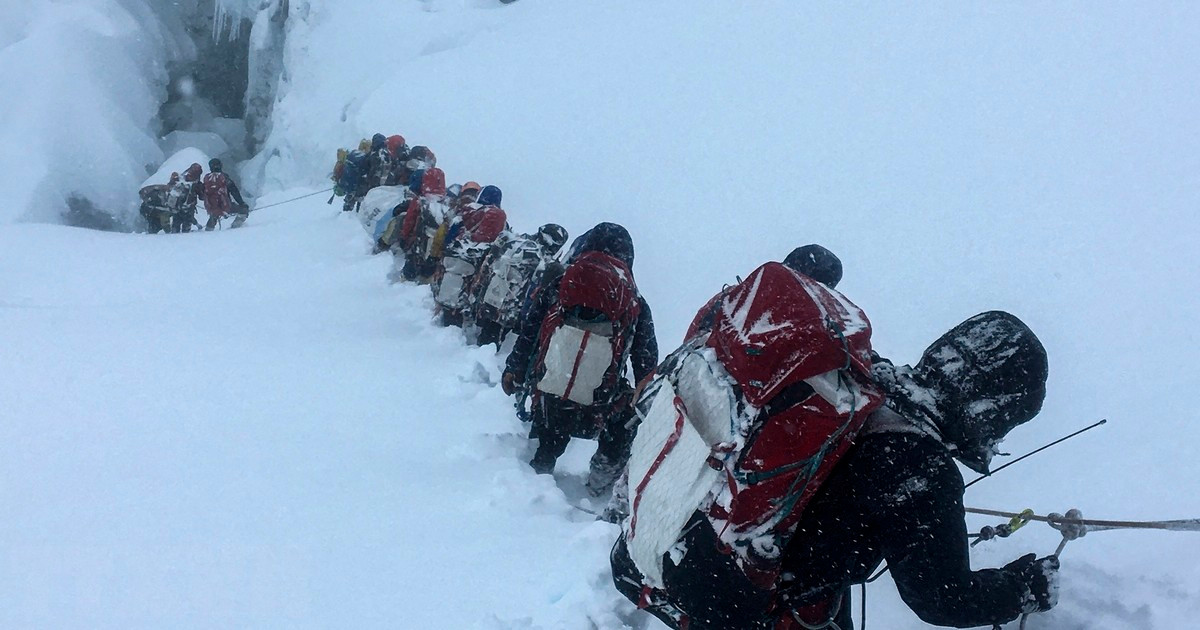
{"x":773,"y":459}
{"x":171,"y":207}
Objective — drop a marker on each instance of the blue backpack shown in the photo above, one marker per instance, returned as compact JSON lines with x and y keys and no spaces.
{"x":353,"y":171}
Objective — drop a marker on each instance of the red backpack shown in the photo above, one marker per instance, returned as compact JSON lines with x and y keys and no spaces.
{"x":216,"y":194}
{"x":744,"y":423}
{"x":433,"y":182}
{"x":585,"y":337}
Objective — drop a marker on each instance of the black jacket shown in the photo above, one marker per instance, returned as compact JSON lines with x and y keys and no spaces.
{"x":235,"y":193}
{"x":897,"y":496}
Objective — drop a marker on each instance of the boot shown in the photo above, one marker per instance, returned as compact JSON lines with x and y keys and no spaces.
{"x":542,"y":466}
{"x":602,"y":474}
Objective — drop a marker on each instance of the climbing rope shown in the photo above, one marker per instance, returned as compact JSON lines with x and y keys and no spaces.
{"x":1059,"y":521}
{"x":1072,"y":526}
{"x":280,"y":203}
{"x":1003,"y":530}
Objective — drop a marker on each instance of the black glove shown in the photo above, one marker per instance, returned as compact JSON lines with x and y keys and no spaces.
{"x":1040,"y":577}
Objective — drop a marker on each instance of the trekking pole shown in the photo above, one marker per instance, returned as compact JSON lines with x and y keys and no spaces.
{"x":1035,"y":452}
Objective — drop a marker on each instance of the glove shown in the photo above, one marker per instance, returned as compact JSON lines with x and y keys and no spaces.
{"x":509,"y":383}
{"x":1040,"y":577}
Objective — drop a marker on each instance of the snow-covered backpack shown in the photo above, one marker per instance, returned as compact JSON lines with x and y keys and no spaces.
{"x":353,"y":169}
{"x":509,"y":273}
{"x":154,"y":196}
{"x":180,"y":196}
{"x":216,"y":194}
{"x":742,"y":424}
{"x":379,"y":206}
{"x":459,"y":264}
{"x":586,"y":336}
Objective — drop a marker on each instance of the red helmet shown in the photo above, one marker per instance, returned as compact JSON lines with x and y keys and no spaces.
{"x":192,"y":174}
{"x":434,"y":182}
{"x":394,"y":143}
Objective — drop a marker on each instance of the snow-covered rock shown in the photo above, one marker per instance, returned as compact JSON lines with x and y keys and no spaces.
{"x":84,"y":80}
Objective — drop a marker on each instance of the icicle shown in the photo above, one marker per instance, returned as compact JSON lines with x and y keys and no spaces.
{"x":218,"y":20}
{"x":227,"y":20}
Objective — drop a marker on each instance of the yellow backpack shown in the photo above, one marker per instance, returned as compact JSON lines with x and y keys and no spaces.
{"x":337,"y":166}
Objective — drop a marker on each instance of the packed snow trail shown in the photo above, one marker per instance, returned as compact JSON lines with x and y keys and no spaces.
{"x":250,"y":428}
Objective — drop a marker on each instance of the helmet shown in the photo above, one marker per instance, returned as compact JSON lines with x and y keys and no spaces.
{"x":468,"y":195}
{"x":214,"y":165}
{"x":553,"y":236}
{"x":817,"y":263}
{"x":193,"y":173}
{"x":986,"y":375}
{"x":472,"y":186}
{"x":378,"y":141}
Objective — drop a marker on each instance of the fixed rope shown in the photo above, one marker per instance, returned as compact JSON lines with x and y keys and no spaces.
{"x":1072,"y":526}
{"x":1060,"y":521}
{"x":280,"y":203}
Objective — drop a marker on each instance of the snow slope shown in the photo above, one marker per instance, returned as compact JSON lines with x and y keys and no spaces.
{"x":1040,"y":159}
{"x":251,"y":429}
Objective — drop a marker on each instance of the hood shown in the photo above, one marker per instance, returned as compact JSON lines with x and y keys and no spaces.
{"x":976,"y":383}
{"x":817,"y":263}
{"x":609,"y":238}
{"x":490,"y":196}
{"x":551,"y":237}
